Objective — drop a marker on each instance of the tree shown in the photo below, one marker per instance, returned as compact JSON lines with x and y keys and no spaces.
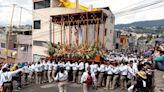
{"x":51,"y":48}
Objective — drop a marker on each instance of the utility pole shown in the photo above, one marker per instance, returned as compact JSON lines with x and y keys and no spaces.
{"x":9,"y":33}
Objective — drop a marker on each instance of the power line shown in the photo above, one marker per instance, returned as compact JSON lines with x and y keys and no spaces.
{"x":139,"y":7}
{"x":140,"y":11}
{"x":135,"y":4}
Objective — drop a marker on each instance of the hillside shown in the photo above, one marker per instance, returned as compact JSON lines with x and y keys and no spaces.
{"x":153,"y":23}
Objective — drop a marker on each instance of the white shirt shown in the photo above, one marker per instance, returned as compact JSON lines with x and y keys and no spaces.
{"x":42,"y":67}
{"x":26,"y":69}
{"x":124,"y":69}
{"x":62,"y":76}
{"x":135,"y":66}
{"x":75,"y":66}
{"x":5,"y":66}
{"x":81,"y":66}
{"x":109,"y":69}
{"x":1,"y":82}
{"x":38,"y":68}
{"x":32,"y":68}
{"x":92,"y":67}
{"x":50,"y":66}
{"x":68,"y":66}
{"x":95,"y":68}
{"x":131,"y":72}
{"x":85,"y":75}
{"x":61,"y":64}
{"x":101,"y":68}
{"x":55,"y":66}
{"x":45,"y":66}
{"x":86,"y":66}
{"x":116,"y":70}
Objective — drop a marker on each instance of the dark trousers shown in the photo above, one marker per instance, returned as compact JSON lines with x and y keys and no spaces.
{"x":26,"y":77}
{"x":7,"y":87}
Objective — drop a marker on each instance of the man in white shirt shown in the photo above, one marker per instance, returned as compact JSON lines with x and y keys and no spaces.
{"x":38,"y":73}
{"x":88,"y":78}
{"x":55,"y":65}
{"x":32,"y":72}
{"x":26,"y":71}
{"x":116,"y":71}
{"x":101,"y":70}
{"x":86,"y":65}
{"x":131,"y":73}
{"x":81,"y":69}
{"x":61,"y":64}
{"x":68,"y":68}
{"x":6,"y":79}
{"x":94,"y":68}
{"x":74,"y":68}
{"x":45,"y":71}
{"x":62,"y":79}
{"x":42,"y":72}
{"x":50,"y":67}
{"x":123,"y":72}
{"x":109,"y":70}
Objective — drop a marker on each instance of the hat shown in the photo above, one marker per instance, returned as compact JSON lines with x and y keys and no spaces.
{"x":142,"y":74}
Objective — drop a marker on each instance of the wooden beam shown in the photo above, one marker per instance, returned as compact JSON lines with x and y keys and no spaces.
{"x":97,"y":35}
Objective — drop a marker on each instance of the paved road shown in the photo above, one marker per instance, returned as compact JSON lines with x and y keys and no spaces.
{"x":53,"y":88}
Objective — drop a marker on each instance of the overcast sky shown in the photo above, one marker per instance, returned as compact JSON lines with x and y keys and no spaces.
{"x":115,"y":6}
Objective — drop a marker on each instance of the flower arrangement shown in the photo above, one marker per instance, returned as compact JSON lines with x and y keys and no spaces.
{"x":82,"y":51}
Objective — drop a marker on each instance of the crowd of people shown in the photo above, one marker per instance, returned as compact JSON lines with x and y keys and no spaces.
{"x":130,"y":71}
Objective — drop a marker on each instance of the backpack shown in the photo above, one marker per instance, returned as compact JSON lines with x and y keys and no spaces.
{"x":89,"y":80}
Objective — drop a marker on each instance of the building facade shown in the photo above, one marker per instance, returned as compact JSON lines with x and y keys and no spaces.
{"x":19,"y":44}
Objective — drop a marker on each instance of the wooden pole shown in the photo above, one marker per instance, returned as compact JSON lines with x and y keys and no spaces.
{"x":53,"y":32}
{"x":61,"y":32}
{"x":97,"y":35}
{"x":86,"y":39}
{"x":78,"y":27}
{"x":70,"y":33}
{"x":17,"y":44}
{"x":50,"y":29}
{"x":103,"y":23}
{"x":9,"y":33}
{"x":64,"y":34}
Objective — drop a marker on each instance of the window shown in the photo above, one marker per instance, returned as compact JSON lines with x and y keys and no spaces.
{"x":37,"y":24}
{"x":112,"y":20}
{"x":38,"y":43}
{"x":118,"y":34}
{"x":3,"y":45}
{"x":15,"y":46}
{"x":37,"y":58}
{"x":24,"y":48}
{"x":105,"y":34}
{"x":42,"y":4}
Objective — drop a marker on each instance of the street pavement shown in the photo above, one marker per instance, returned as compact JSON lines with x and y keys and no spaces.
{"x":53,"y":88}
